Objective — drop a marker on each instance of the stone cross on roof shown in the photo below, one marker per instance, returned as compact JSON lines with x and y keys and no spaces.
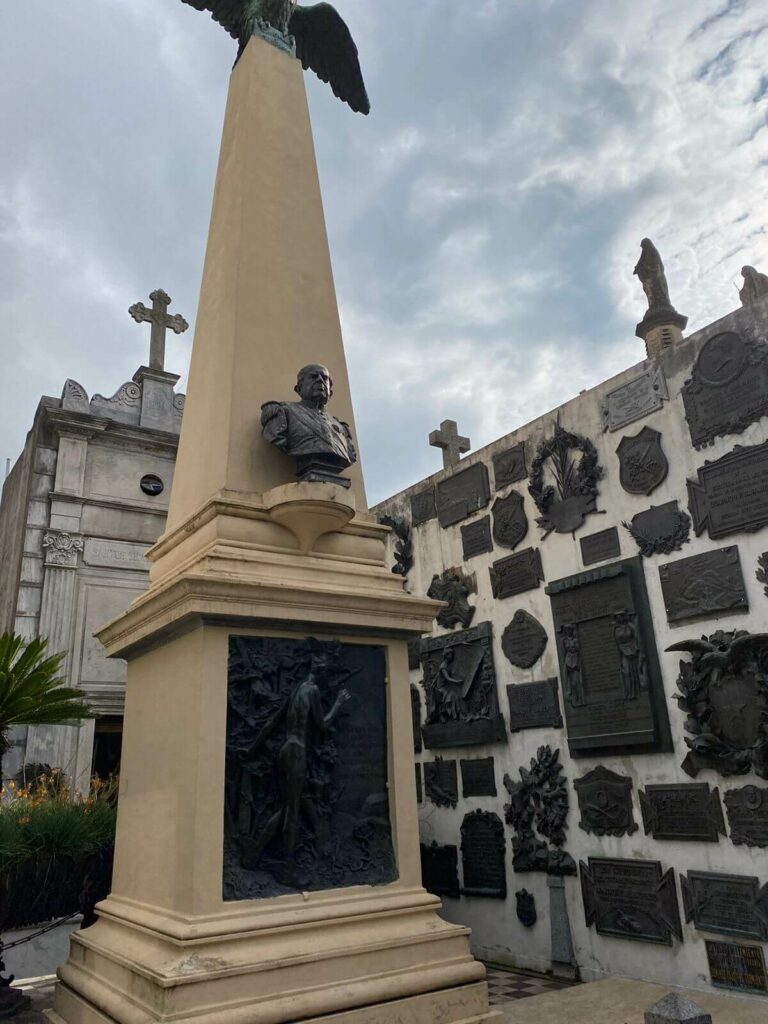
{"x":447,"y":438}
{"x":161,"y":320}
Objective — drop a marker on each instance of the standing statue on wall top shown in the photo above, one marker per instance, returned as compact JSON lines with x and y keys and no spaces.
{"x":321,"y":444}
{"x":650,"y":271}
{"x":322,"y":41}
{"x":662,"y":324}
{"x":755,"y":286}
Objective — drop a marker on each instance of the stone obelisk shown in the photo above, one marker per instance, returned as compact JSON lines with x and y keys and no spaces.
{"x":249,"y":554}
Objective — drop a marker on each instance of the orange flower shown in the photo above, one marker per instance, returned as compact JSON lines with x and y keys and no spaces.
{"x":24,"y":819}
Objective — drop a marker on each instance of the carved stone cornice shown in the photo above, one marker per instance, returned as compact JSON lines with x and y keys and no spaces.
{"x":61,"y":548}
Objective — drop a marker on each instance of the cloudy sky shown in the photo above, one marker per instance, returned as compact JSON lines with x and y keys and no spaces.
{"x":484,"y":221}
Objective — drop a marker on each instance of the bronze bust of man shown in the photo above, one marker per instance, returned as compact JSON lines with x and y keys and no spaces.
{"x":321,"y":444}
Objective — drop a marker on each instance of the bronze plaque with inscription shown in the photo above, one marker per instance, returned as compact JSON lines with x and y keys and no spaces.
{"x":609,"y":668}
{"x":731,"y":493}
{"x":738,"y":967}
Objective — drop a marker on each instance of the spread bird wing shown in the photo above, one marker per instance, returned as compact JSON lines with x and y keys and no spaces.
{"x":228,"y":13}
{"x":693,"y":647}
{"x":325,"y":45}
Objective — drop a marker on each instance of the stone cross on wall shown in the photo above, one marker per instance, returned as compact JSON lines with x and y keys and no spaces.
{"x":447,"y":438}
{"x":161,"y":320}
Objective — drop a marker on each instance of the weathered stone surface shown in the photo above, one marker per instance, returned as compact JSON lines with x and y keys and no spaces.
{"x":676,"y":1009}
{"x":453,"y":446}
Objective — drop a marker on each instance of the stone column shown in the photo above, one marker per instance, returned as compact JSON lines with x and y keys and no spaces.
{"x":563,"y":959}
{"x":248,"y":552}
{"x":57,"y":745}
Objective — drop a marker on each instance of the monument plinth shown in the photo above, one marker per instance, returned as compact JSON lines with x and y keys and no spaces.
{"x":267,"y":863}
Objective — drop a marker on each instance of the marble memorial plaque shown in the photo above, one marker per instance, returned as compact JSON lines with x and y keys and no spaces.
{"x":441,"y":783}
{"x":635,"y":399}
{"x":419,"y":790}
{"x":416,"y":716}
{"x":509,"y":467}
{"x":748,"y":815}
{"x":737,"y":967}
{"x":482,"y":855}
{"x":703,"y":585}
{"x":460,"y":683}
{"x":631,"y":899}
{"x":524,"y":640}
{"x":342,"y":772}
{"x":726,"y":904}
{"x":460,"y":495}
{"x":605,"y":802}
{"x":476,"y":538}
{"x":516,"y":573}
{"x":682,"y":810}
{"x":478,"y":777}
{"x":440,"y":869}
{"x":728,"y":389}
{"x":731,"y":493}
{"x":423,"y":506}
{"x":600,"y":547}
{"x":115,"y":554}
{"x":534,"y":705}
{"x":612,"y":688}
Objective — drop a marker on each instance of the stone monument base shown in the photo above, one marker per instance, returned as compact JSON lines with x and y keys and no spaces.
{"x":168,"y":946}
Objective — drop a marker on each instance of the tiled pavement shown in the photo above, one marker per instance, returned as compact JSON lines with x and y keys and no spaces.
{"x":504,"y":986}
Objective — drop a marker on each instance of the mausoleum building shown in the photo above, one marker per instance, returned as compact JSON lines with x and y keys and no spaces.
{"x":590,"y":709}
{"x":86,"y":498}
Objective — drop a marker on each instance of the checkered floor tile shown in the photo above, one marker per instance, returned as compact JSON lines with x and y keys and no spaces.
{"x":504,"y":986}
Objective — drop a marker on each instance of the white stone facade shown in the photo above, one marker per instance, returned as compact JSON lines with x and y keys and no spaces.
{"x":75,"y":524}
{"x":497,"y":934}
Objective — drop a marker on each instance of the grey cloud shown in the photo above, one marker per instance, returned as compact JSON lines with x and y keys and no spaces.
{"x":484,"y":221}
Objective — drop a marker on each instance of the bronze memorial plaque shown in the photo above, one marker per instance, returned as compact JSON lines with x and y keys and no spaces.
{"x":728,"y":389}
{"x":726,"y":904}
{"x":460,"y":686}
{"x":483,"y":849}
{"x":534,"y":705}
{"x":423,"y":507}
{"x":440,"y":869}
{"x":600,"y":547}
{"x":476,"y":538}
{"x":306,"y":803}
{"x":748,"y":815}
{"x":731,"y":493}
{"x":461,"y":494}
{"x":509,"y":466}
{"x":703,"y":585}
{"x":682,"y":810}
{"x":737,"y":967}
{"x":478,"y":777}
{"x":609,"y":668}
{"x":631,"y":899}
{"x":516,"y":573}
